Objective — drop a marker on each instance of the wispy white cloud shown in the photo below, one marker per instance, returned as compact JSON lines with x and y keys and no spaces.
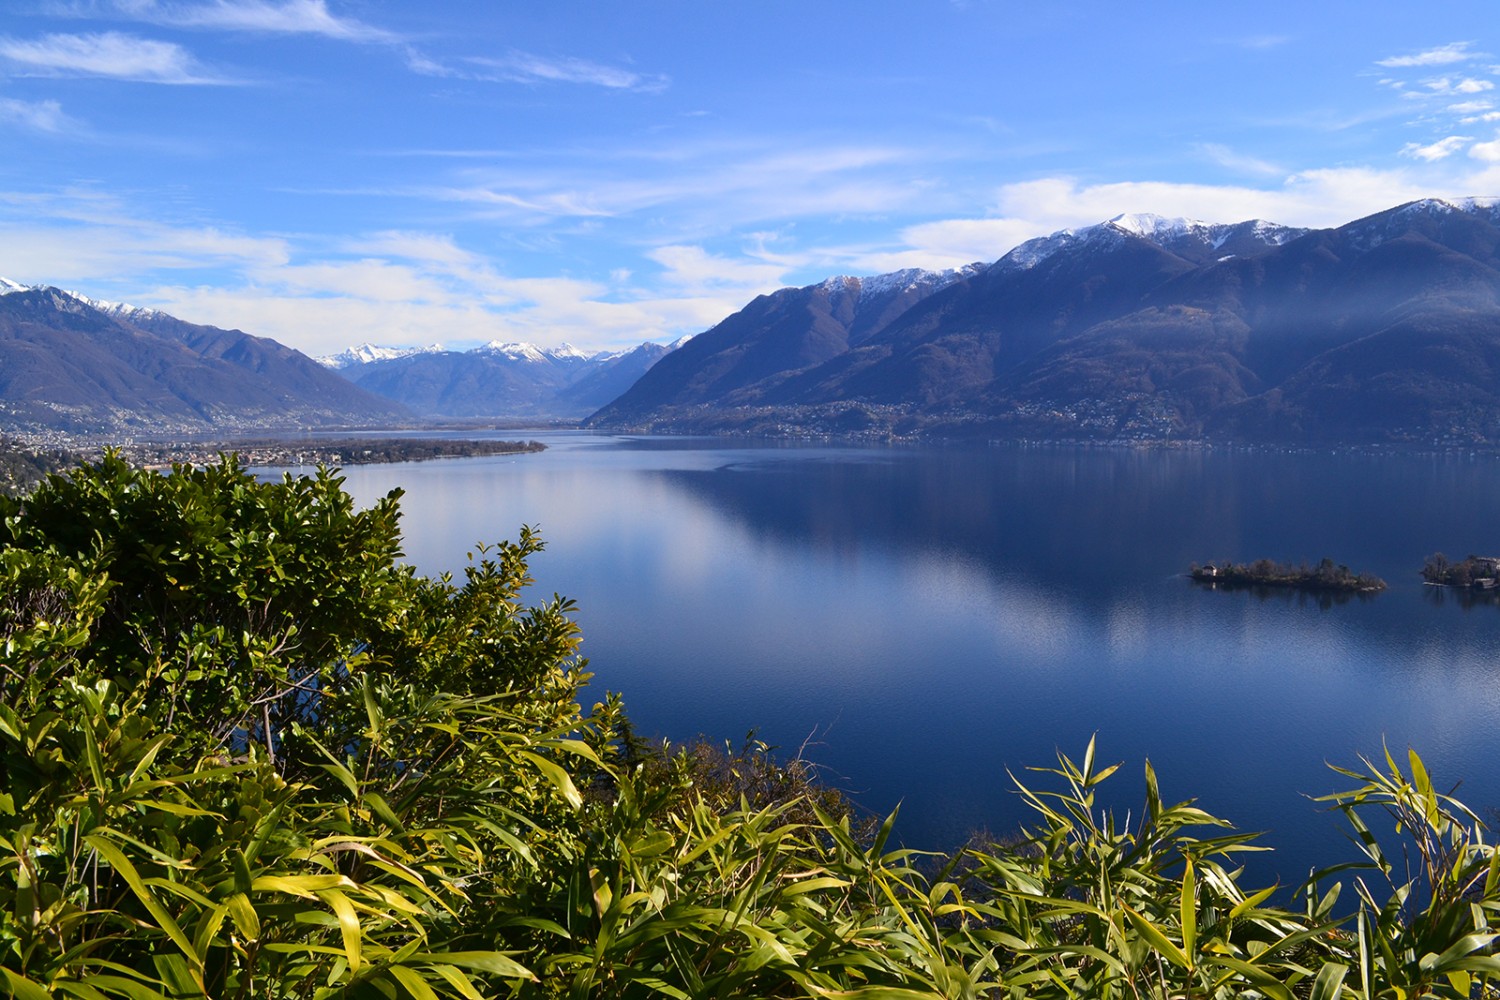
{"x":1443,"y":55}
{"x":1263,"y":41}
{"x":1440,"y":150}
{"x":1448,"y":87}
{"x":289,"y":17}
{"x":706,"y":187}
{"x":695,"y":271}
{"x":107,"y":54}
{"x":529,"y":68}
{"x":38,"y":116}
{"x":1233,"y":160}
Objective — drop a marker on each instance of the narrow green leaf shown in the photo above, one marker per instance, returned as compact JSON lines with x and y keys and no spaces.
{"x":1251,"y":902}
{"x":1330,"y":979}
{"x":348,"y":925}
{"x":413,"y":983}
{"x":1158,"y":940}
{"x":24,"y":988}
{"x":121,"y":864}
{"x":1187,"y":908}
{"x":559,"y":777}
{"x":242,"y":912}
{"x":480,"y":961}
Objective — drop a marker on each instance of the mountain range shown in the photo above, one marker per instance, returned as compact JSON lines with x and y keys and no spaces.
{"x":1384,"y":329}
{"x":518,"y":381}
{"x":73,"y":364}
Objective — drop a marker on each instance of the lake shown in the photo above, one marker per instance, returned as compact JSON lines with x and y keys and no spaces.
{"x":921,"y":620}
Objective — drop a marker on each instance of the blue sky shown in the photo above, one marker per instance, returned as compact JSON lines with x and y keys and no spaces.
{"x":328,"y":172}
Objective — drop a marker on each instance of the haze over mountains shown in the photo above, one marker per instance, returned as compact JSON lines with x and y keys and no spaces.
{"x":1385,"y":329}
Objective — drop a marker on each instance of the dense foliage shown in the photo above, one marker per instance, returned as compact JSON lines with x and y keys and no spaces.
{"x":245,"y":752}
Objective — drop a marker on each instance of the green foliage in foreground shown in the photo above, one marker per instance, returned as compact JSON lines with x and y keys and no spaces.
{"x":244,"y":753}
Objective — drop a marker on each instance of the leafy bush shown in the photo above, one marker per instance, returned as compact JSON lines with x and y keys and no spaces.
{"x":246,"y":753}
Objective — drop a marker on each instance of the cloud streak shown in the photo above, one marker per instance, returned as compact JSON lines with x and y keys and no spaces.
{"x":109,"y":54}
{"x":38,"y":116}
{"x":531,"y":69}
{"x":1443,"y":55}
{"x":292,"y":17}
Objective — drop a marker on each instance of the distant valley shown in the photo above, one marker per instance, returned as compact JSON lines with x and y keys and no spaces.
{"x":515,"y":381}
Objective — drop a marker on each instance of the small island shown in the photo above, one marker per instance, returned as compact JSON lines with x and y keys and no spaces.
{"x":1325,"y":576}
{"x":1471,"y":573}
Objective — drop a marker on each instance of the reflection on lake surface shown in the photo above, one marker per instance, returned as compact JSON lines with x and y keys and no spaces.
{"x":926,"y":618}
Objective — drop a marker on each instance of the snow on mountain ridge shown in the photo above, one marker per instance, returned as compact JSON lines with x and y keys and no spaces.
{"x":904,"y":280}
{"x":1166,"y":233}
{"x":364,"y":354}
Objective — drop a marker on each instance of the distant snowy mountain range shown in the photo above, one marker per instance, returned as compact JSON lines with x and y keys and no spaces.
{"x":497,"y":379}
{"x":1386,"y":329}
{"x":365,"y":354}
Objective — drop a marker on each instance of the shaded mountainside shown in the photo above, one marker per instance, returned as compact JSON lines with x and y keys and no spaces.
{"x":1385,"y":329}
{"x":498,"y":380}
{"x":68,"y":363}
{"x":787,"y":331}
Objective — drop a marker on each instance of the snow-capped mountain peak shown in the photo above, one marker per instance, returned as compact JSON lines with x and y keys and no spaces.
{"x":365,"y":354}
{"x":1155,"y":227}
{"x":8,"y":287}
{"x":1178,"y":235}
{"x":514,"y":351}
{"x":119,"y":310}
{"x":907,"y":279}
{"x":566,"y":350}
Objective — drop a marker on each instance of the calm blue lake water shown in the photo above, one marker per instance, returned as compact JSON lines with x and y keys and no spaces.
{"x":924,"y":619}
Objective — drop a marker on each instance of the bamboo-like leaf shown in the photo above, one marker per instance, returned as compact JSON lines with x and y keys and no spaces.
{"x":460,"y":982}
{"x":121,"y":864}
{"x":349,"y":927}
{"x":305,"y":886}
{"x":554,"y":773}
{"x":242,"y":912}
{"x":1187,"y":908}
{"x":815,"y":885}
{"x":23,"y":988}
{"x":481,"y":961}
{"x":1158,"y":939}
{"x":1461,"y":948}
{"x":1251,"y":902}
{"x":879,"y":993}
{"x":413,"y":983}
{"x":1260,"y":978}
{"x":1330,"y":980}
{"x":119,"y":985}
